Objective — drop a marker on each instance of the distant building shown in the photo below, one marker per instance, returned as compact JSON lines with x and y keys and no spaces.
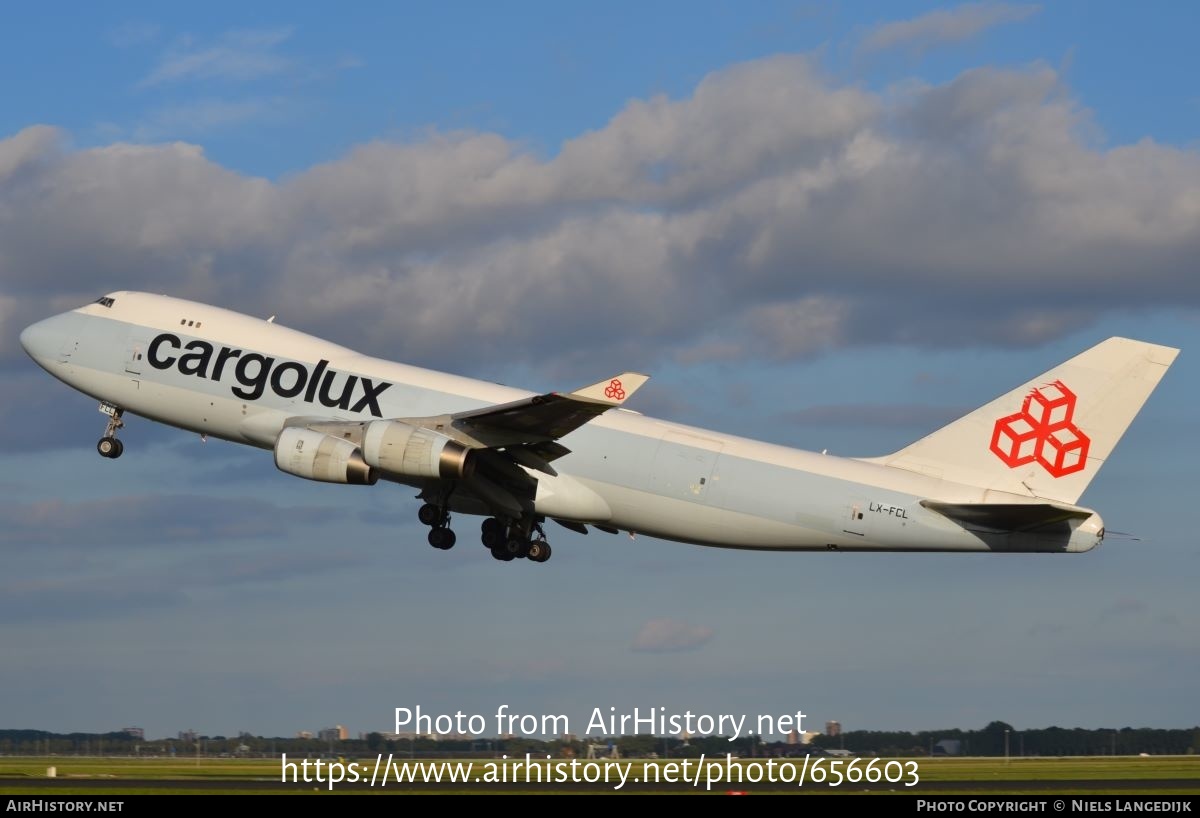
{"x":948,"y":747}
{"x":137,"y":732}
{"x":833,"y":728}
{"x":187,"y":735}
{"x":304,"y":734}
{"x":336,"y":733}
{"x":793,"y":738}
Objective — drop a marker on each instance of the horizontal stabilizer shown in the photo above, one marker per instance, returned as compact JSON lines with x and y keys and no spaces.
{"x":1008,"y":516}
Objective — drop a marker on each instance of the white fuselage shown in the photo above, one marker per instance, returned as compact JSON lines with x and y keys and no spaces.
{"x":228,"y":375}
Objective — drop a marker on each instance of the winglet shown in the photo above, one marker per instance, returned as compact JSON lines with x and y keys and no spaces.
{"x":612,"y":391}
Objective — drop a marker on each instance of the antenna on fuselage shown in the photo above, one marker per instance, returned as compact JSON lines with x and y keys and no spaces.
{"x":271,"y":320}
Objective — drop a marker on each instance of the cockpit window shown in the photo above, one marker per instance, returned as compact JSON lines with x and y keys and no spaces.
{"x":105,"y":301}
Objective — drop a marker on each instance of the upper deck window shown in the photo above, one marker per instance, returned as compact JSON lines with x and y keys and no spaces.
{"x":105,"y":301}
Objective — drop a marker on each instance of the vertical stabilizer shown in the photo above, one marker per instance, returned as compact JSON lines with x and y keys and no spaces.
{"x":1049,"y":437}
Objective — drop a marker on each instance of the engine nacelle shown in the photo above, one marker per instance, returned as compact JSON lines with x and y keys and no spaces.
{"x":318,"y":456}
{"x":411,"y":451}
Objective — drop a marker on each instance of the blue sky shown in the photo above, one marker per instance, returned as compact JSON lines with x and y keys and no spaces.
{"x":825,"y":225}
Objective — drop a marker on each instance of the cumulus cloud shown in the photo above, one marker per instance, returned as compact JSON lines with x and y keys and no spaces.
{"x":944,"y":26}
{"x":670,"y":636}
{"x":773,"y":212}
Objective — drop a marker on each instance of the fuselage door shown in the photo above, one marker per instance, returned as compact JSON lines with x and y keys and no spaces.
{"x":855,"y":519}
{"x":136,"y":357}
{"x":684,"y":466}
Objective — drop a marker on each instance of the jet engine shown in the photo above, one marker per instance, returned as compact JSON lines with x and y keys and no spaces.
{"x":412,"y":451}
{"x":317,"y":456}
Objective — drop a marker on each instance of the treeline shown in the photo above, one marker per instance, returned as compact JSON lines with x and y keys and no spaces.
{"x":1046,"y":741}
{"x":41,"y":742}
{"x":990,"y":741}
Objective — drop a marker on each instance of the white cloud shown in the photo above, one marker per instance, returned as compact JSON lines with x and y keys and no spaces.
{"x":771,"y":213}
{"x":670,"y":636}
{"x":236,"y":56}
{"x":943,"y":26}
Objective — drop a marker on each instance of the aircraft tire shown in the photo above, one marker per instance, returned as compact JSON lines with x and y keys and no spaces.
{"x":442,"y":538}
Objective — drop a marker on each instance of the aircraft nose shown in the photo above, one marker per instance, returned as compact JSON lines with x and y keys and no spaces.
{"x":38,"y":340}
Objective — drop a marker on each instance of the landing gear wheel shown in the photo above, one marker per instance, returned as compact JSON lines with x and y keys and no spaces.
{"x":492,"y":533}
{"x":442,"y":538}
{"x":516,"y":548}
{"x":539,"y":551}
{"x":429,"y":514}
{"x":502,"y":554}
{"x":110,"y":447}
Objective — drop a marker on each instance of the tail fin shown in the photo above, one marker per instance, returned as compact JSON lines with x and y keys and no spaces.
{"x":1049,"y":437}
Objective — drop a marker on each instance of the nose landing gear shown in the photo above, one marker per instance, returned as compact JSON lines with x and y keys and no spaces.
{"x":110,"y":446}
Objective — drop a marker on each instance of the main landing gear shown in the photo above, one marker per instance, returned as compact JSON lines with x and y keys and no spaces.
{"x":110,"y":446}
{"x":508,"y":540}
{"x":438,"y":520}
{"x":521,"y":539}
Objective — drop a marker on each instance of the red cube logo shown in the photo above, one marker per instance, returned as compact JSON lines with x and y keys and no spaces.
{"x":1063,"y":451}
{"x":1015,"y":440}
{"x":1043,"y":431}
{"x":1051,"y":406}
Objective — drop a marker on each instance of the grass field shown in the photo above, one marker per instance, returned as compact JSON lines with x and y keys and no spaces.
{"x":1159,"y":776}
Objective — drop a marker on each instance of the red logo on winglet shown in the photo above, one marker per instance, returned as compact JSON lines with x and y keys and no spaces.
{"x":1043,"y":431}
{"x":614,"y":390}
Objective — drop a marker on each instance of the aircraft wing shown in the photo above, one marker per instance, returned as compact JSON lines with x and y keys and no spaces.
{"x":537,"y":421}
{"x":501,"y":439}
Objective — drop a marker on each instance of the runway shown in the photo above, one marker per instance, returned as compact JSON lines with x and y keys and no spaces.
{"x":1035,"y":787}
